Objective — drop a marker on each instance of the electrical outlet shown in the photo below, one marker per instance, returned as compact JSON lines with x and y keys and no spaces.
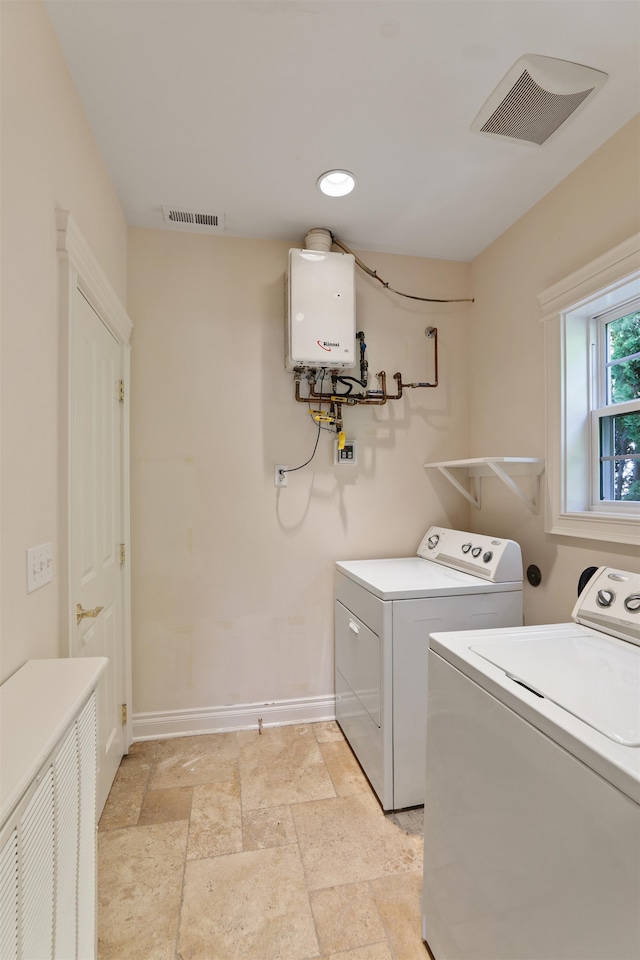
{"x":39,"y":566}
{"x":280,"y":477}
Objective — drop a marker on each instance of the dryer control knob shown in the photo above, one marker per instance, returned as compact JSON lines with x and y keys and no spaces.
{"x":487,"y":556}
{"x":433,"y":541}
{"x":604,"y":598}
{"x":466,"y":547}
{"x":632,"y":603}
{"x":476,"y":551}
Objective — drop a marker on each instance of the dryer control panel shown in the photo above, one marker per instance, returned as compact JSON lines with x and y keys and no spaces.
{"x":610,"y":601}
{"x":491,"y":558}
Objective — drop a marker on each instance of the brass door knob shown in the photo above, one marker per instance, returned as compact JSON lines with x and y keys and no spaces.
{"x":81,"y":614}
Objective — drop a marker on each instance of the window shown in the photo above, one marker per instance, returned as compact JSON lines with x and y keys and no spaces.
{"x":592,"y":327}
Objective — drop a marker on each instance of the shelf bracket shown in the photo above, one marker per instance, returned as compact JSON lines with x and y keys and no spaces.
{"x":474,"y":501}
{"x":531,"y":505}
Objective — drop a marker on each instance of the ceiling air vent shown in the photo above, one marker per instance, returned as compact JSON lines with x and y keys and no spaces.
{"x":194,"y":219}
{"x":535,"y":97}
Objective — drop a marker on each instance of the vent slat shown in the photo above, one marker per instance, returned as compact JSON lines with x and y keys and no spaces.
{"x":529,"y":112}
{"x":86,"y":888}
{"x":536,"y":98}
{"x":9,"y":898}
{"x":37,"y":828}
{"x":67,"y":789}
{"x":196,"y":219}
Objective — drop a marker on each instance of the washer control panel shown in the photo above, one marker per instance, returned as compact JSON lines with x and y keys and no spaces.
{"x":487,"y":557}
{"x":610,"y":601}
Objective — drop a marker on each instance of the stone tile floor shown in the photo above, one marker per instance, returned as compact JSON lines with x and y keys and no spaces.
{"x":255,"y":846}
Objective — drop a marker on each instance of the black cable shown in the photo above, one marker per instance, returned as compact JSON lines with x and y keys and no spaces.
{"x":293,"y":469}
{"x":372,"y":273}
{"x":353,"y":380}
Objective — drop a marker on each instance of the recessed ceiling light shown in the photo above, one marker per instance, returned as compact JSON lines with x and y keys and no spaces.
{"x":336,"y":183}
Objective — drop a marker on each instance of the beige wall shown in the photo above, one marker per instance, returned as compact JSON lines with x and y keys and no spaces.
{"x":595,"y":208}
{"x":48,"y":160}
{"x":232,"y":578}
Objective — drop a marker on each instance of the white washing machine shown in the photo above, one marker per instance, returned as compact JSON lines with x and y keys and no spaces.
{"x":532,"y":806}
{"x":384,"y":613}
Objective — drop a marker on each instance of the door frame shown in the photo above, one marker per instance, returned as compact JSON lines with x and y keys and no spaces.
{"x":79,"y":269}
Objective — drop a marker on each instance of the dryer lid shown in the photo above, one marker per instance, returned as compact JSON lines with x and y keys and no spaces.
{"x":594,"y":677}
{"x":412,"y":578}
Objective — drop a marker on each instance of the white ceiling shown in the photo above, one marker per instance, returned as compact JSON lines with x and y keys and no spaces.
{"x":237,"y":106}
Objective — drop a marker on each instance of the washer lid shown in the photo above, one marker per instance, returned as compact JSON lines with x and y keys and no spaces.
{"x":406,"y":578}
{"x":594,"y":677}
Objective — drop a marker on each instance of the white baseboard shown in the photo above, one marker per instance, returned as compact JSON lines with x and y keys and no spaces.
{"x":243,"y":716}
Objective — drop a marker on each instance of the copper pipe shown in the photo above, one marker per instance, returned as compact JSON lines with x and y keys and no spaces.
{"x":346,"y":399}
{"x":377,"y":401}
{"x":366,"y":399}
{"x":318,"y":396}
{"x":343,"y":399}
{"x":432,"y":332}
{"x":398,"y":378}
{"x":299,"y":399}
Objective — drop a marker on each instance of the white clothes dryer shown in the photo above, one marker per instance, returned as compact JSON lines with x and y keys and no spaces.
{"x":532,"y":805}
{"x":384,"y":613}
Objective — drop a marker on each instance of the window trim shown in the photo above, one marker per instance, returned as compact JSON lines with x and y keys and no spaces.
{"x":567,"y":311}
{"x":602,"y":406}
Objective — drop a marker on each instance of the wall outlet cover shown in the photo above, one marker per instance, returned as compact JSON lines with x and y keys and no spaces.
{"x":280,"y":479}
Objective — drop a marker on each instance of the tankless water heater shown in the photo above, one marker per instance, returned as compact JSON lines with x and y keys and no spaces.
{"x":321,"y":314}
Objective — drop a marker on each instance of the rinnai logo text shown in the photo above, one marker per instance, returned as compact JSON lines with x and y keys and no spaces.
{"x":327,"y":345}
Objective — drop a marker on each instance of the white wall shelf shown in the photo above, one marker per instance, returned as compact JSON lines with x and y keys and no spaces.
{"x":505,"y":468}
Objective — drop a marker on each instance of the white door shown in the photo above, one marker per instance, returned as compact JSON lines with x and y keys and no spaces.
{"x":96,"y":525}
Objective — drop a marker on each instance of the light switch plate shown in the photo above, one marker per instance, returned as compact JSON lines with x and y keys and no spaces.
{"x":39,"y":566}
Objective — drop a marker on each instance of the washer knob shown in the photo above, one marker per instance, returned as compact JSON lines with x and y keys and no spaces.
{"x":476,"y":551}
{"x":632,"y":603}
{"x":433,"y":541}
{"x":487,"y":556}
{"x":604,"y":598}
{"x":466,"y":547}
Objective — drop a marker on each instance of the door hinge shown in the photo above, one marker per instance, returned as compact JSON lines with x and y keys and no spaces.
{"x":122,"y":553}
{"x":123,"y":713}
{"x":121,"y":391}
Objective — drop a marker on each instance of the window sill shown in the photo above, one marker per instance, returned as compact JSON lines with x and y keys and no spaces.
{"x":614,"y":528}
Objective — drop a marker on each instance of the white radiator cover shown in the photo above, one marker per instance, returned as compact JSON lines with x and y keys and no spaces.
{"x":48,"y":764}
